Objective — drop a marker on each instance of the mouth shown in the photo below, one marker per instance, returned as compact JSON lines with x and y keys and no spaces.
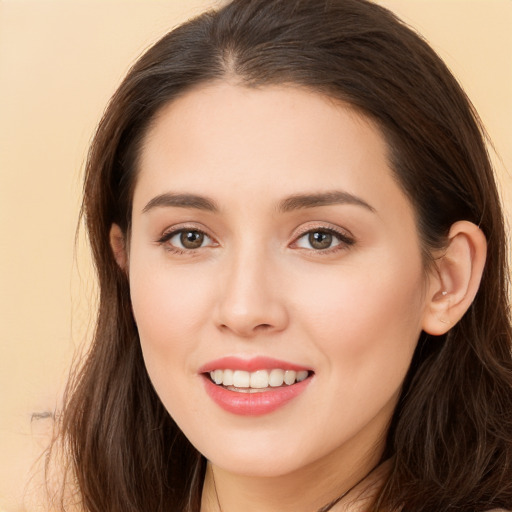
{"x":258,"y":381}
{"x":256,"y":386}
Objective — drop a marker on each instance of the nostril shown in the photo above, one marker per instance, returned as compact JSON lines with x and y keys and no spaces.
{"x":263,"y":327}
{"x":246,"y":330}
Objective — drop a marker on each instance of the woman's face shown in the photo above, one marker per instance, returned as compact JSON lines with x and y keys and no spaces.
{"x":270,"y":241}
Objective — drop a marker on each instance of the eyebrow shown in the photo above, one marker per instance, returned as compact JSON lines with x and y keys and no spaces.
{"x":295,"y":202}
{"x":302,"y":201}
{"x":181,"y":201}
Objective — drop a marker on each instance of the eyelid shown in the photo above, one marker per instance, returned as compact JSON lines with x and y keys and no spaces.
{"x":327,"y":226}
{"x":346,"y":239}
{"x":172,"y":231}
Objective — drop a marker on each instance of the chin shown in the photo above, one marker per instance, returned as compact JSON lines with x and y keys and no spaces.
{"x":259,"y":468}
{"x":259,"y":458}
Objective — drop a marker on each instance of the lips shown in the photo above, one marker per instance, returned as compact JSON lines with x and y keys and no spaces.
{"x":251,"y":387}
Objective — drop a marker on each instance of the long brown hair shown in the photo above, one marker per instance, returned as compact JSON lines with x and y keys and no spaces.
{"x":450,"y":440}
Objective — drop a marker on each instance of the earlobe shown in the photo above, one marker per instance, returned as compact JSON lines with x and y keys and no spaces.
{"x":459,"y":272}
{"x":118,"y":245}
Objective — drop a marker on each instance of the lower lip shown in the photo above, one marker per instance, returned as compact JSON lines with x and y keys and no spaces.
{"x":253,"y":404}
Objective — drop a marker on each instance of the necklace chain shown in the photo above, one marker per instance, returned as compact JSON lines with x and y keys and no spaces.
{"x":325,"y":508}
{"x":216,"y":493}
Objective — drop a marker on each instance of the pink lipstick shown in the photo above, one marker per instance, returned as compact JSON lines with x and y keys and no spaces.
{"x":256,"y":386}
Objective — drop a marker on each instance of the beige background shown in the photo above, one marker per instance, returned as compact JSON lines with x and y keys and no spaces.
{"x":59,"y":63}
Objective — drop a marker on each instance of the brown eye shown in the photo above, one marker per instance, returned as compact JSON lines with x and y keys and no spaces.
{"x":320,"y":240}
{"x":186,"y":240}
{"x":191,"y":239}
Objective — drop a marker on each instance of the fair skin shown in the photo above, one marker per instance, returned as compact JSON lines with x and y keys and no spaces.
{"x":332,"y":284}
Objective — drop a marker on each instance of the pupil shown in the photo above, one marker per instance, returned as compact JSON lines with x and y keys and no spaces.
{"x":191,"y":239}
{"x":320,"y":240}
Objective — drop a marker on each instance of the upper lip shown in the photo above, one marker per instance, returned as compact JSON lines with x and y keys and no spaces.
{"x":250,"y":365}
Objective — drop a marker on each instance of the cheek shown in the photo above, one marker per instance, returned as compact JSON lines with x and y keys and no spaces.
{"x":166,"y":310}
{"x":169,"y":309}
{"x":366,"y":328}
{"x":367,"y":319}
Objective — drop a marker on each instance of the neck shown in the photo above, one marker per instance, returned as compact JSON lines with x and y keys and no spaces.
{"x":319,"y":486}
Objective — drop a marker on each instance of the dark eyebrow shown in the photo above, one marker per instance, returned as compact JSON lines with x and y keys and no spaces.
{"x":181,"y":201}
{"x":295,"y":202}
{"x":300,"y":201}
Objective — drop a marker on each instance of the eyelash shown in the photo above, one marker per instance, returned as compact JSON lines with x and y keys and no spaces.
{"x":166,"y":237}
{"x":344,"y":240}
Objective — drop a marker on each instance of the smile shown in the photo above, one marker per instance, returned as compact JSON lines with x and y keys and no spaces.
{"x":256,"y":386}
{"x":258,"y":381}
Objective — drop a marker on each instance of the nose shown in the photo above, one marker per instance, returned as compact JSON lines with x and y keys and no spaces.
{"x":251,"y":300}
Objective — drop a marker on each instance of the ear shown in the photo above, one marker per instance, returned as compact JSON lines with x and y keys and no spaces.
{"x":118,"y":245}
{"x":453,"y":287}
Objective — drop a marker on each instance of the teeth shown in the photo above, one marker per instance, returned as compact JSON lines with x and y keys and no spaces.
{"x":302,"y":375}
{"x":276,"y":378}
{"x":227,"y":378}
{"x":289,"y":377}
{"x":259,"y":379}
{"x":241,"y":379}
{"x":218,"y":377}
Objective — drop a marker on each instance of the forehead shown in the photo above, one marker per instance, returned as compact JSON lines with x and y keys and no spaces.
{"x":266,"y":142}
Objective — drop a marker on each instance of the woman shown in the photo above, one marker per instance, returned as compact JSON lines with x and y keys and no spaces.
{"x":302,"y":267}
